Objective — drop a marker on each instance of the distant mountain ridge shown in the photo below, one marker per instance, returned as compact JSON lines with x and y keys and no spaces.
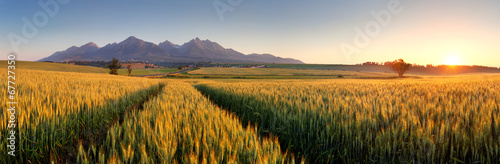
{"x":133,"y":48}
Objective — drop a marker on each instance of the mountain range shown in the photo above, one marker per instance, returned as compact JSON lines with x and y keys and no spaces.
{"x":136,"y":49}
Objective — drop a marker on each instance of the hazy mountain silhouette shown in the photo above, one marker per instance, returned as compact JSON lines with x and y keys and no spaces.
{"x":132,"y":48}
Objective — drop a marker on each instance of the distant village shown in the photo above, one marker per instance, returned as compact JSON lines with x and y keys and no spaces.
{"x":134,"y":65}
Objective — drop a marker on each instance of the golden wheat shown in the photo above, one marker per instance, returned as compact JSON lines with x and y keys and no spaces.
{"x":55,"y":108}
{"x":181,"y":126}
{"x":372,"y":121}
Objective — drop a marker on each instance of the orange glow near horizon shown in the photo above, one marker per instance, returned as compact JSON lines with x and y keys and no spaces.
{"x":453,"y":59}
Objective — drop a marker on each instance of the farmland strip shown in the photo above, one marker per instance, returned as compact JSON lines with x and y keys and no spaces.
{"x":181,"y":126}
{"x":95,"y":136}
{"x":53,"y":113}
{"x":371,"y":121}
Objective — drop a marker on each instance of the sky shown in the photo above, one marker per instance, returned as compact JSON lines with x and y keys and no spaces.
{"x":316,"y":31}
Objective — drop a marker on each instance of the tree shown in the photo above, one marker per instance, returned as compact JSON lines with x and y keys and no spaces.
{"x":400,"y":66}
{"x":114,"y":66}
{"x":129,"y":67}
{"x":180,"y":68}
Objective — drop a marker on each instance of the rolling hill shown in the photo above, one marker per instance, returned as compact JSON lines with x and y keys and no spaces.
{"x":54,"y":67}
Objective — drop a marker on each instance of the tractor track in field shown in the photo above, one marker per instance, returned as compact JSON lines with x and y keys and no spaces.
{"x":95,"y":137}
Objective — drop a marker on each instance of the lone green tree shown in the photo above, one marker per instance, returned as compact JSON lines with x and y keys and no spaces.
{"x":400,"y":67}
{"x":179,"y":68}
{"x":129,"y":68}
{"x":114,"y":66}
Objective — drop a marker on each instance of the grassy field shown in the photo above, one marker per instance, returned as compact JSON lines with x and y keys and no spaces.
{"x":327,"y":67}
{"x":270,"y":73}
{"x":72,"y":117}
{"x":54,"y":67}
{"x":44,"y":66}
{"x":332,"y":67}
{"x":140,"y":72}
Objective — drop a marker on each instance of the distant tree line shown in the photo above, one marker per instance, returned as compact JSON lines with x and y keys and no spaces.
{"x":438,"y":69}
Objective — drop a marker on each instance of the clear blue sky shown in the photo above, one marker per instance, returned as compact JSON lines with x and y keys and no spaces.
{"x":424,"y":31}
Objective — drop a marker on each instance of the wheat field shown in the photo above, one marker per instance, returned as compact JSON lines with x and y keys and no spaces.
{"x":88,"y":118}
{"x":68,"y":117}
{"x":352,"y":121}
{"x":56,"y":109}
{"x":181,"y":126}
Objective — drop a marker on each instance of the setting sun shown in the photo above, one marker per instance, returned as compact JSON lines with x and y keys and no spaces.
{"x":453,"y":59}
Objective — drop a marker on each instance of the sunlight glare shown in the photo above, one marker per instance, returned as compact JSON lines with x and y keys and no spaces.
{"x":453,"y":59}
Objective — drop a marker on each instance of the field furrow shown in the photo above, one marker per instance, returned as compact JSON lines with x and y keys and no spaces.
{"x":353,"y":121}
{"x":57,"y":109}
{"x":181,"y":126}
